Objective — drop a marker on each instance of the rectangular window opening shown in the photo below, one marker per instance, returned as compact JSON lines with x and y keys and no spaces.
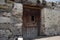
{"x":32,"y":18}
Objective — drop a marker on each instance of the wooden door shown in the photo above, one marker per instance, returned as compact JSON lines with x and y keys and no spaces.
{"x":31,"y":22}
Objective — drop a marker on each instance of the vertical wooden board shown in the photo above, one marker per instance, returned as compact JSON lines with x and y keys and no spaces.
{"x":31,"y":26}
{"x":30,"y":33}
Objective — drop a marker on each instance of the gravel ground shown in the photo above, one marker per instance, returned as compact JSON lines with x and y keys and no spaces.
{"x":49,"y":38}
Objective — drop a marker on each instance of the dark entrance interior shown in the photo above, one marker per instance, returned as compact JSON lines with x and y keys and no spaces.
{"x":31,"y":22}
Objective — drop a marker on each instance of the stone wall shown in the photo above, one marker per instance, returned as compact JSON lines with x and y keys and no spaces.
{"x":50,"y":21}
{"x":11,"y":23}
{"x":17,"y":13}
{"x":34,"y":1}
{"x":2,"y":1}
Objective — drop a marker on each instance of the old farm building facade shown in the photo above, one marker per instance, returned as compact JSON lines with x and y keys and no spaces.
{"x":29,"y":18}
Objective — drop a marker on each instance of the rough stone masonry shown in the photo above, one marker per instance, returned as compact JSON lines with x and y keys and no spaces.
{"x":11,"y":23}
{"x":51,"y":21}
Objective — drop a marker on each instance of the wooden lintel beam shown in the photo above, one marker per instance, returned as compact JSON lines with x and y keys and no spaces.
{"x":33,"y":7}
